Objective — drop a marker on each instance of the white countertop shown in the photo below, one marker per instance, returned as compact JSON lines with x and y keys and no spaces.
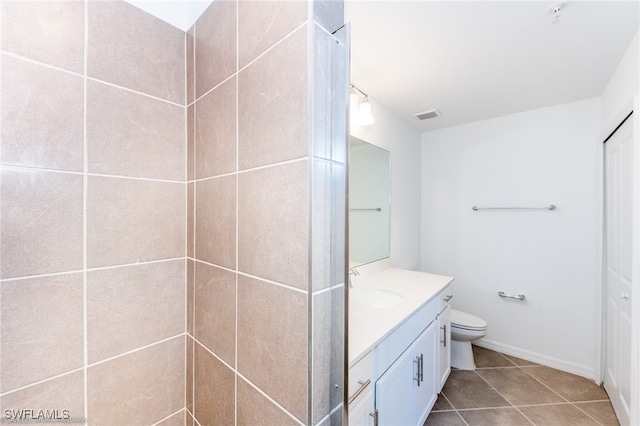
{"x":368,"y":327}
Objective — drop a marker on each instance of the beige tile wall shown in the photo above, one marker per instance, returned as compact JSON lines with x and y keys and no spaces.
{"x":92,"y":212}
{"x":254,"y":178}
{"x":96,"y":218}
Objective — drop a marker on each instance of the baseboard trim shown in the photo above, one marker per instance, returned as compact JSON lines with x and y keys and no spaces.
{"x":548,"y":361}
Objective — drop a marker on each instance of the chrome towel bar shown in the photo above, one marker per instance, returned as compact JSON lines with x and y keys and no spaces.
{"x":377,"y":209}
{"x":549,"y":207}
{"x":508,"y":296}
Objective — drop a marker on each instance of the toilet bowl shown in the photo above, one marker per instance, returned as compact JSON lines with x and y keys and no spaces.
{"x":465,"y":328}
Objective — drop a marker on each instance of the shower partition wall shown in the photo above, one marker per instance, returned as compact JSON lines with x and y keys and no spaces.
{"x":172,"y":213}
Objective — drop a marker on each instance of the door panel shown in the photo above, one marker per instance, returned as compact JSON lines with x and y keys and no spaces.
{"x":618,"y":267}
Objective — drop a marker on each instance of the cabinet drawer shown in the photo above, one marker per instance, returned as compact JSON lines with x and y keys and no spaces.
{"x":361,"y":377}
{"x":399,"y":340}
{"x":445,"y":297}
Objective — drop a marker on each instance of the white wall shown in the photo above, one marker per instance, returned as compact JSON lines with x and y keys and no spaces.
{"x":403,"y":141}
{"x":535,"y":158}
{"x":625,"y":82}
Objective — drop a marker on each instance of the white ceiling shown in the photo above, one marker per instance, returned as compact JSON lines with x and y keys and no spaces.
{"x":472,"y":60}
{"x":475,"y":60}
{"x":179,"y":13}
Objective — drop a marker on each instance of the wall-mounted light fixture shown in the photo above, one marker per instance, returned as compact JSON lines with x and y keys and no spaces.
{"x":360,"y":110}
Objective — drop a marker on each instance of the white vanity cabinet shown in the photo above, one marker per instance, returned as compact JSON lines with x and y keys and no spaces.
{"x":406,"y":392}
{"x":403,"y":341}
{"x":362,"y":409}
{"x":444,"y":325}
{"x":407,"y":369}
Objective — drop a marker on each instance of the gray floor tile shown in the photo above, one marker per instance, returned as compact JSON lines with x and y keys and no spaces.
{"x":486,"y":358}
{"x":573,"y":388}
{"x":557,"y":415}
{"x":518,"y":387}
{"x":602,"y":411}
{"x":465,"y":389}
{"x":444,"y":418}
{"x":508,"y":416}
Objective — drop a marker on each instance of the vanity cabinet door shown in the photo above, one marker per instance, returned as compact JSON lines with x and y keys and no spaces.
{"x":426,"y":394}
{"x":444,"y":322}
{"x":362,"y":412}
{"x":406,"y":392}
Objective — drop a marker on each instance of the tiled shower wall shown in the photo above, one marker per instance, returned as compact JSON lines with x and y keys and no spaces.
{"x":93,"y":225}
{"x":263,"y":228}
{"x":96,"y":218}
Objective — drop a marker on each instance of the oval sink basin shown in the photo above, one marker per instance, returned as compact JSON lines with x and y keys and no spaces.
{"x":372,"y":299}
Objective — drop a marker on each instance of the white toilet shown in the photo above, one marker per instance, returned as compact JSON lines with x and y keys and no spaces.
{"x":464,"y":329}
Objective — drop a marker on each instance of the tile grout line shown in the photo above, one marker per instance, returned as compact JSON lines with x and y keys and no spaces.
{"x":85,"y":189}
{"x":237,"y":213}
{"x":506,"y":399}
{"x":186,"y":216}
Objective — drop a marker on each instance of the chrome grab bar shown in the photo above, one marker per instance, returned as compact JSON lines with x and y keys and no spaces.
{"x":508,"y":296}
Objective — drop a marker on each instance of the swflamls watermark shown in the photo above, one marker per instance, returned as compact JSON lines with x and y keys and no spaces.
{"x":25,"y":416}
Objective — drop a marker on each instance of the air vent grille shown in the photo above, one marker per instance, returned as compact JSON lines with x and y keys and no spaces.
{"x":427,"y":115}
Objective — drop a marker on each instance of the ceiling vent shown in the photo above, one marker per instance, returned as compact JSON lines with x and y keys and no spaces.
{"x":427,"y":115}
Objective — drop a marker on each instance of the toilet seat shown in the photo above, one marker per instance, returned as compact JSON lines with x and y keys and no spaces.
{"x":465,"y":321}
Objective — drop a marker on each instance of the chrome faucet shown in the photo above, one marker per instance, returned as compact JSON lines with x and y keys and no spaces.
{"x":352,"y":273}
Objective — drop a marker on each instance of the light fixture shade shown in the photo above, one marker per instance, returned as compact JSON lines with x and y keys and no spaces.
{"x":364,"y":113}
{"x":353,"y":106}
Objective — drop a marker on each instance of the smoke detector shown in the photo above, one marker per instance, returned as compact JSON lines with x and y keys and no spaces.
{"x":555,"y":10}
{"x":427,"y":115}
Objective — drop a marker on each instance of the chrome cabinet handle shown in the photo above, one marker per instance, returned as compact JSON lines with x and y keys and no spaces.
{"x":417,"y":362}
{"x":448,"y":297}
{"x":375,"y":417}
{"x":444,"y":327}
{"x":363,"y":386}
{"x":508,"y":296}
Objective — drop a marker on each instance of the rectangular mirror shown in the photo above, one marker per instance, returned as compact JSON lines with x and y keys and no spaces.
{"x":369,"y":202}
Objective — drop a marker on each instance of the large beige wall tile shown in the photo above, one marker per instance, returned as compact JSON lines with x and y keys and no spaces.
{"x":272,"y":341}
{"x":40,"y":222}
{"x":42,"y":328}
{"x":191,"y":64}
{"x":273,"y":223}
{"x":42,"y":116}
{"x":141,"y":387}
{"x":215,"y":310}
{"x":129,"y":134}
{"x":130,"y":220}
{"x":214,"y":396}
{"x":191,"y":187}
{"x":189,"y":375}
{"x":178,"y":419}
{"x":273,"y":105}
{"x":215,"y":45}
{"x":134,"y":306}
{"x":64,"y":394}
{"x":132,"y":48}
{"x":216,"y":134}
{"x":191,"y":270}
{"x":47,"y":31}
{"x":328,"y":353}
{"x":216,"y":221}
{"x":261,"y":24}
{"x":255,"y":409}
{"x":191,"y":137}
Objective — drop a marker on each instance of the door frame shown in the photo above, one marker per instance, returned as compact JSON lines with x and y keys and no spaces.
{"x":632,"y":106}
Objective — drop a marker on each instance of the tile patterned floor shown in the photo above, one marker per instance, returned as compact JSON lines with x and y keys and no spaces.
{"x":508,"y":391}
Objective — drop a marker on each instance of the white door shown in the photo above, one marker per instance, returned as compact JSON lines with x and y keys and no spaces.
{"x":618,"y":266}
